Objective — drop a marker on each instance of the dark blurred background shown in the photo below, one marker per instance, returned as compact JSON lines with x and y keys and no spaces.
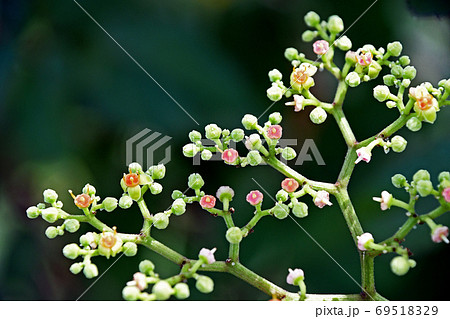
{"x":70,"y":98}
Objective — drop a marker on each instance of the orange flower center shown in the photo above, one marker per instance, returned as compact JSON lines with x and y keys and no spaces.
{"x":300,"y":76}
{"x":108,"y":240}
{"x":83,"y":200}
{"x":426,"y":102}
{"x":131,"y":179}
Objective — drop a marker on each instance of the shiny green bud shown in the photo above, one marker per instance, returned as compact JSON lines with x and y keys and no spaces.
{"x":234,"y":235}
{"x":421,"y":175}
{"x":50,"y":196}
{"x":381,"y":93}
{"x":195,"y":181}
{"x":291,"y":54}
{"x":129,"y":249}
{"x":162,"y":290}
{"x":131,"y":293}
{"x":353,"y":79}
{"x":125,"y":202}
{"x":254,"y":158}
{"x":249,"y":122}
{"x":409,"y":72}
{"x":51,"y":232}
{"x":280,"y":211}
{"x":195,"y":136}
{"x":414,"y":124}
{"x":212,"y":131}
{"x":398,"y":144}
{"x":177,"y":194}
{"x":157,"y":171}
{"x":76,"y":268}
{"x":71,"y":225}
{"x":135,"y":168}
{"x":275,"y":75}
{"x":282,"y":195}
{"x":424,"y":187}
{"x":237,"y":135}
{"x":90,"y":271}
{"x":318,"y":115}
{"x":335,"y":24}
{"x":312,"y":19}
{"x":50,"y":214}
{"x":307,"y":36}
{"x":181,"y":290}
{"x":394,"y":48}
{"x":389,"y":79}
{"x":400,"y":265}
{"x":398,"y":180}
{"x":300,"y":210}
{"x":204,"y":284}
{"x":288,"y":153}
{"x":33,"y":212}
{"x":71,"y":251}
{"x":161,"y":221}
{"x":178,"y":207}
{"x":156,"y":188}
{"x":146,"y":267}
{"x":275,"y":118}
{"x":190,"y":150}
{"x":134,"y":192}
{"x":206,"y":155}
{"x":109,"y":204}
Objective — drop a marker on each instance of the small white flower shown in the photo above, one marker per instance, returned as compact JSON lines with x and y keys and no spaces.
{"x":385,"y":200}
{"x":140,"y":280}
{"x":294,"y":275}
{"x":364,"y":239}
{"x":298,"y":102}
{"x":208,"y":255}
{"x":364,"y":154}
{"x":322,"y":198}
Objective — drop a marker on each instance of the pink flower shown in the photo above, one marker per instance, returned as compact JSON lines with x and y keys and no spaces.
{"x":208,"y":255}
{"x":298,"y":102}
{"x":289,"y":185}
{"x":320,"y":47}
{"x":363,"y":240}
{"x":364,"y":58}
{"x":140,"y":280}
{"x":322,"y":198}
{"x":294,"y":275}
{"x":439,"y":234}
{"x":364,"y":154}
{"x":254,"y":197}
{"x":208,"y":201}
{"x":274,"y":132}
{"x":446,"y":194}
{"x":230,"y":155}
{"x":385,"y":200}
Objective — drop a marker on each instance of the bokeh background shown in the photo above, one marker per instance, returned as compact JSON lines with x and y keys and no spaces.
{"x":70,"y":98}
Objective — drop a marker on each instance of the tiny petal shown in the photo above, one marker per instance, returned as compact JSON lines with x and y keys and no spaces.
{"x":364,"y":239}
{"x":364,"y":154}
{"x":140,"y":280}
{"x":446,"y":194}
{"x":208,"y":201}
{"x":254,"y":197}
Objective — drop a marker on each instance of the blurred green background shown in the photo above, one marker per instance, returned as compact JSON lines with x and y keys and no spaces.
{"x":70,"y":98}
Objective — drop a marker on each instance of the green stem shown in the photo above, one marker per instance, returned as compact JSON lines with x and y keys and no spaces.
{"x":234,"y":252}
{"x":367,"y":276}
{"x":252,"y":223}
{"x":344,"y":126}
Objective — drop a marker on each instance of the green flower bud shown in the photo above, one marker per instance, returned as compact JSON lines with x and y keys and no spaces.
{"x":50,"y":196}
{"x":282,"y":195}
{"x":391,"y":104}
{"x":225,"y":193}
{"x":406,"y":82}
{"x":177,"y":194}
{"x":212,"y":131}
{"x":445,"y":84}
{"x":76,"y":268}
{"x":291,"y":54}
{"x":157,"y":171}
{"x":195,"y":136}
{"x":161,"y":221}
{"x":398,"y":180}
{"x":404,"y":60}
{"x":414,"y":124}
{"x":181,"y":290}
{"x":134,"y":192}
{"x":33,"y":212}
{"x":275,"y":118}
{"x":204,"y":284}
{"x":89,"y":189}
{"x":50,"y":214}
{"x":444,"y":176}
{"x":145,"y":179}
{"x":381,"y":93}
{"x":135,"y":168}
{"x":424,"y":187}
{"x":71,"y":225}
{"x":312,"y":19}
{"x":51,"y":232}
{"x":190,"y":150}
{"x":307,"y":36}
{"x":275,"y":75}
{"x":344,"y":43}
{"x":280,"y":211}
{"x":131,"y":293}
{"x":234,"y":235}
{"x":300,"y":210}
{"x":206,"y":155}
{"x":90,"y":271}
{"x":335,"y":24}
{"x":394,"y":48}
{"x":225,"y":132}
{"x":409,"y":72}
{"x":274,"y":93}
{"x":89,"y":239}
{"x":389,"y":79}
{"x":71,"y":251}
{"x":146,"y":267}
{"x":398,"y":144}
{"x":130,"y":249}
{"x":253,"y":142}
{"x":318,"y":115}
{"x":41,"y":206}
{"x":109,"y":204}
{"x":397,"y":71}
{"x":249,"y":122}
{"x":195,"y":181}
{"x":237,"y":135}
{"x":288,"y":153}
{"x":421,"y":175}
{"x":353,"y":79}
{"x":254,"y":158}
{"x":162,"y":290}
{"x":399,"y":265}
{"x":156,"y":188}
{"x":178,"y":207}
{"x":125,"y":202}
{"x":374,"y":69}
